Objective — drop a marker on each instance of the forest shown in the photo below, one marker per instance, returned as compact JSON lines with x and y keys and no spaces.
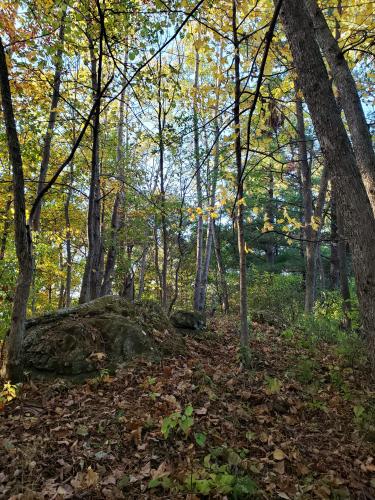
{"x":187,"y":249}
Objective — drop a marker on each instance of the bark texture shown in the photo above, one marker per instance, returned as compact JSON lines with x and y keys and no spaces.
{"x":352,"y":200}
{"x":244,"y":332}
{"x":12,"y":359}
{"x":349,"y":99}
{"x":46,"y":153}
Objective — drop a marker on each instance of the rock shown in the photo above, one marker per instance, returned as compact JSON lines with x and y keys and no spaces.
{"x":104,"y":332}
{"x":189,"y":320}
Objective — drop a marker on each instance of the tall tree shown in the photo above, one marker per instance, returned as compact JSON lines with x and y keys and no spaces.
{"x":92,"y":276}
{"x":349,"y":98}
{"x":12,"y":366}
{"x":46,"y":152}
{"x":352,"y":200}
{"x":198,"y":176}
{"x":244,"y":331}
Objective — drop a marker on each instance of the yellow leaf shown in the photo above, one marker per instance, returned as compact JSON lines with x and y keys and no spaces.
{"x":92,"y":477}
{"x":247,"y":249}
{"x":278,"y":454}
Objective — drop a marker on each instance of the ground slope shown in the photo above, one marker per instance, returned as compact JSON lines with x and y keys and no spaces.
{"x":293,"y":426}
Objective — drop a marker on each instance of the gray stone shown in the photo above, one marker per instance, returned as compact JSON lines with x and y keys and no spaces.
{"x":67,"y":342}
{"x":188,"y":320}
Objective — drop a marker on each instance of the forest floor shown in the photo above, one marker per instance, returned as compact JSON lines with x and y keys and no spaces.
{"x":293,"y":426}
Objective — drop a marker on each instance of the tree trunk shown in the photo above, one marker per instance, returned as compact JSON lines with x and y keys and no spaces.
{"x":352,"y":200}
{"x":334,"y":272}
{"x":164,"y":230}
{"x":51,"y":120}
{"x":319,"y":215}
{"x":62,"y":284}
{"x":128,"y":290}
{"x":69,"y":260}
{"x":106,"y":288}
{"x":199,"y":244}
{"x":12,"y":358}
{"x":221,"y":270}
{"x":244,"y":332}
{"x":156,"y":259}
{"x":307,"y":205}
{"x":6,"y":227}
{"x":142,"y":272}
{"x":349,"y":99}
{"x":212,"y":194}
{"x":91,"y":279}
{"x":343,"y":274}
{"x":270,"y":247}
{"x":116,"y":222}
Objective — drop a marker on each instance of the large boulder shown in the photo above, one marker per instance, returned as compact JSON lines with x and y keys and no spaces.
{"x":188,"y":320}
{"x":104,"y":332}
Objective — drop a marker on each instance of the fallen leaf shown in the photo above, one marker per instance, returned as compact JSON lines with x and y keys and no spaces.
{"x":278,"y":454}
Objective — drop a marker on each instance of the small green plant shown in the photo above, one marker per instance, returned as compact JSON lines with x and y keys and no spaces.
{"x":305,"y":371}
{"x":338,"y":381}
{"x":316,"y":404}
{"x":351,"y":350}
{"x":273,"y":385}
{"x":178,"y":421}
{"x":220,"y":474}
{"x":221,"y":482}
{"x":364,"y":419}
{"x":200,"y":438}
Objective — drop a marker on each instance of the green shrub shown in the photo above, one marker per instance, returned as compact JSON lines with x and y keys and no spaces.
{"x":330,"y":306}
{"x":275,"y":298}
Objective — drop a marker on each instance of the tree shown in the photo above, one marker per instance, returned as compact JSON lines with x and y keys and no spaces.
{"x":244,"y":331}
{"x":352,"y":200}
{"x":349,"y":99}
{"x":13,"y":357}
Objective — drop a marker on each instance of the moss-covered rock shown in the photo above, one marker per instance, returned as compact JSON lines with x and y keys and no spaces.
{"x":104,"y":332}
{"x":188,"y":320}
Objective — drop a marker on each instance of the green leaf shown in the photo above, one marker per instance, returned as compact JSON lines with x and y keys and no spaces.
{"x":186,"y":423}
{"x":200,"y":438}
{"x":154,"y":483}
{"x":189,"y":411}
{"x":233,"y":458}
{"x":202,"y":486}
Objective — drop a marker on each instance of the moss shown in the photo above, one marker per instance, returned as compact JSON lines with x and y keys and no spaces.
{"x":63,"y":343}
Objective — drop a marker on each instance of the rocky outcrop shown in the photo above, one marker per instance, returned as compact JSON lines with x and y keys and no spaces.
{"x":104,"y":332}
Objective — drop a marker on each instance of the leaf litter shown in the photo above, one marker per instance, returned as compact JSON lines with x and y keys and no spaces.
{"x":296,"y":436}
